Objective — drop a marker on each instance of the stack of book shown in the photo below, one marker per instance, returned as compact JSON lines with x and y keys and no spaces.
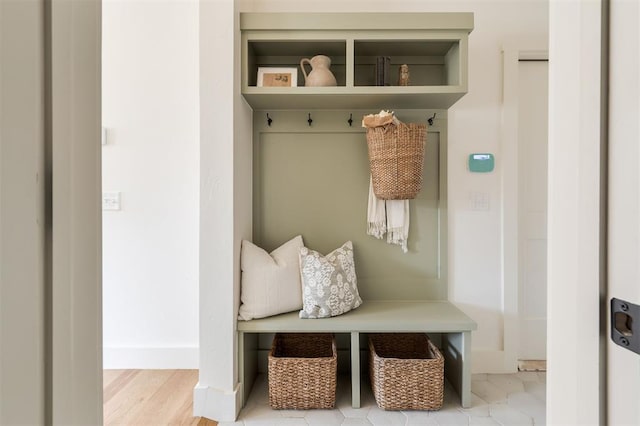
{"x":382,"y":77}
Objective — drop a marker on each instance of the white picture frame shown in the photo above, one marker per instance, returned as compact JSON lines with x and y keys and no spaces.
{"x":277,"y":77}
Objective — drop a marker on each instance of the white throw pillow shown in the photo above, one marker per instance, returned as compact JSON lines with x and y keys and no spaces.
{"x":270,"y":283}
{"x":329,"y":284}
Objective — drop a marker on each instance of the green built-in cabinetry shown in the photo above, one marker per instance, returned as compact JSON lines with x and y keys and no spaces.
{"x":312,"y":178}
{"x":434,"y":45}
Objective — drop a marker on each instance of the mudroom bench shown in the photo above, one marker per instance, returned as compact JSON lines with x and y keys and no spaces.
{"x":433,"y":317}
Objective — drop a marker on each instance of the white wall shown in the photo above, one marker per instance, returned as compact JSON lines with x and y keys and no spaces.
{"x":150,"y":104}
{"x":475,"y":270}
{"x":150,"y":108}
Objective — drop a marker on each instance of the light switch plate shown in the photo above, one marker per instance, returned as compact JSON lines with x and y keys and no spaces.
{"x":479,"y":201}
{"x":111,"y":201}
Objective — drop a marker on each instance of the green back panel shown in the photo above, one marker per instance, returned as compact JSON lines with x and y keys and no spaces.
{"x":314,"y":181}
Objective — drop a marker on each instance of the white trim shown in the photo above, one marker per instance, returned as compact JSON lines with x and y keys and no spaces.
{"x":225,"y":207}
{"x":509,"y":137}
{"x":150,"y":358}
{"x":623,"y":197}
{"x":492,"y":362}
{"x":574,"y":383}
{"x":224,"y":406}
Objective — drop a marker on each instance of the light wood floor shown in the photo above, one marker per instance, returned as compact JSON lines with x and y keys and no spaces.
{"x":150,"y":397}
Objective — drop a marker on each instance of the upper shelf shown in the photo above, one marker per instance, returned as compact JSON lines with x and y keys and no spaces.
{"x":433,"y":45}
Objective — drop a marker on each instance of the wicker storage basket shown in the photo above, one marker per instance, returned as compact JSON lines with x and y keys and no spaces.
{"x":406,"y":371}
{"x":302,"y":371}
{"x":396,"y":158}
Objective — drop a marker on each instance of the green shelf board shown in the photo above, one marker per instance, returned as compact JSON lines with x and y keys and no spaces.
{"x":431,"y":97}
{"x":373,"y":316}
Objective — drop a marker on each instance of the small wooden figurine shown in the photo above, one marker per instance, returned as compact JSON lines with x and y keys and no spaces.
{"x":403,"y":75}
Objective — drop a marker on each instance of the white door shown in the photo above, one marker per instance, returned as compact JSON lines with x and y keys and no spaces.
{"x":532,"y":208}
{"x":623,"y":375}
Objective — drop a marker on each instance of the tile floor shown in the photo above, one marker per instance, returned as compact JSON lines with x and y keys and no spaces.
{"x":498,"y":399}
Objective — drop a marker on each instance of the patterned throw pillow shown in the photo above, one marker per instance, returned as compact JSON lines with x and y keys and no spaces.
{"x":329,"y":284}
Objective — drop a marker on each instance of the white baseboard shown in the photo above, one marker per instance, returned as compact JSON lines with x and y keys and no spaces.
{"x":150,"y":358}
{"x":492,"y":362}
{"x":216,"y":404}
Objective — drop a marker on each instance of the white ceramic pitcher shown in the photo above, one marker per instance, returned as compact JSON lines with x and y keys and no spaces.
{"x":320,"y":74}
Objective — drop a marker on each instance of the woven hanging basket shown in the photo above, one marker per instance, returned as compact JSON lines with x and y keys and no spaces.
{"x":396,"y":158}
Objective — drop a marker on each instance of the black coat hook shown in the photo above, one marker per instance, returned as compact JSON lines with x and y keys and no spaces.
{"x":269,"y":120}
{"x":350,"y":120}
{"x":309,"y":120}
{"x":430,"y":119}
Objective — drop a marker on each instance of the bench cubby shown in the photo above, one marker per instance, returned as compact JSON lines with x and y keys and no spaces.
{"x":431,"y":317}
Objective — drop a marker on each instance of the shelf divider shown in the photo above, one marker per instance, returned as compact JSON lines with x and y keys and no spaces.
{"x":350,"y":63}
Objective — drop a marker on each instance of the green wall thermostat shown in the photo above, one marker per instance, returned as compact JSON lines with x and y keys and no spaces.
{"x":481,"y":163}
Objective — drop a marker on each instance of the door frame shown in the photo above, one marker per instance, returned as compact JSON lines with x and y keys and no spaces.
{"x":623,"y":205}
{"x":576,"y":256}
{"x":73,"y":116}
{"x":50,"y":293}
{"x":512,"y":54}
